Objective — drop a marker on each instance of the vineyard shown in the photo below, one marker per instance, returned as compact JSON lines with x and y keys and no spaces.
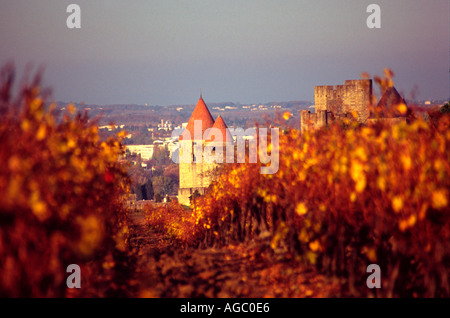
{"x":344,"y":197}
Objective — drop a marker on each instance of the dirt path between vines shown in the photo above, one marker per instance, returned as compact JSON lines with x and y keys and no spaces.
{"x":235,"y":271}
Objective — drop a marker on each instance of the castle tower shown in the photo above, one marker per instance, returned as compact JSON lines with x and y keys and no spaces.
{"x":388,"y":102}
{"x":354,"y":96}
{"x":220,"y":141}
{"x":223,"y":128}
{"x":201,"y":113}
{"x":196,"y":172}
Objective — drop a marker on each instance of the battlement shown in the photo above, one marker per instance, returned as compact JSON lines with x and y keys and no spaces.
{"x":354,"y":96}
{"x":337,"y":102}
{"x":312,"y":121}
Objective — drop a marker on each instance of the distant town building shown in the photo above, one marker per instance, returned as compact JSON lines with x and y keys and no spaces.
{"x":146,"y":151}
{"x":165,"y":125}
{"x":111,"y":127}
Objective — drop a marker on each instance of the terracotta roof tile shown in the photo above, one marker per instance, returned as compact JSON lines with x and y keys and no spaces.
{"x":201,"y":112}
{"x":386,"y":107}
{"x":220,"y":124}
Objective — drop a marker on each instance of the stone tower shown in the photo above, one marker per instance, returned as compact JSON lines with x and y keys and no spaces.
{"x":220,"y":141}
{"x":199,"y":142}
{"x":338,"y":102}
{"x":353,"y":96}
{"x":351,"y":100}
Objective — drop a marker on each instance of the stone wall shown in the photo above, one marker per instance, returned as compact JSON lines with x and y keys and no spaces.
{"x":338,"y":102}
{"x":312,"y":121}
{"x":194,"y":176}
{"x":353,"y":96}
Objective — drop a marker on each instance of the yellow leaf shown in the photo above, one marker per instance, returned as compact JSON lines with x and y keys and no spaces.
{"x":407,"y":223}
{"x":38,"y":207}
{"x":397,"y":204}
{"x":412,"y":220}
{"x":360,"y":184}
{"x":356,"y":170}
{"x":439,"y":199}
{"x":121,"y":134}
{"x":381,"y":183}
{"x":71,"y":108}
{"x":287,"y":115}
{"x":42,"y":132}
{"x":312,"y":257}
{"x":303,"y":236}
{"x":25,"y":125}
{"x":71,"y":143}
{"x":314,"y":246}
{"x":406,"y":161}
{"x":361,"y":154}
{"x":402,"y":108}
{"x":301,"y":209}
{"x":371,"y":254}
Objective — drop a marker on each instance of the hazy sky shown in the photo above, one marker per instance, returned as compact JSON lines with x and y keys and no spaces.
{"x":248,"y":51}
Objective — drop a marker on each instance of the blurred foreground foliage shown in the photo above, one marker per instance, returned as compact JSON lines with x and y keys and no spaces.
{"x":60,"y":199}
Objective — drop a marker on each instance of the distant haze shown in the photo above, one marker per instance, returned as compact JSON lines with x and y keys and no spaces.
{"x":247,"y":51}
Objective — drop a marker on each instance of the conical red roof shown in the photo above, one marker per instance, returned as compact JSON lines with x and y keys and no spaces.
{"x":386,"y":107}
{"x":220,"y":124}
{"x":390,"y":98}
{"x":201,"y":112}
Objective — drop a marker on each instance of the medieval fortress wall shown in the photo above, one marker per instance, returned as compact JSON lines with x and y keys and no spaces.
{"x":337,"y":102}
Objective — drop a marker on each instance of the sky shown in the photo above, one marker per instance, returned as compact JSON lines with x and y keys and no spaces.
{"x":247,"y":51}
